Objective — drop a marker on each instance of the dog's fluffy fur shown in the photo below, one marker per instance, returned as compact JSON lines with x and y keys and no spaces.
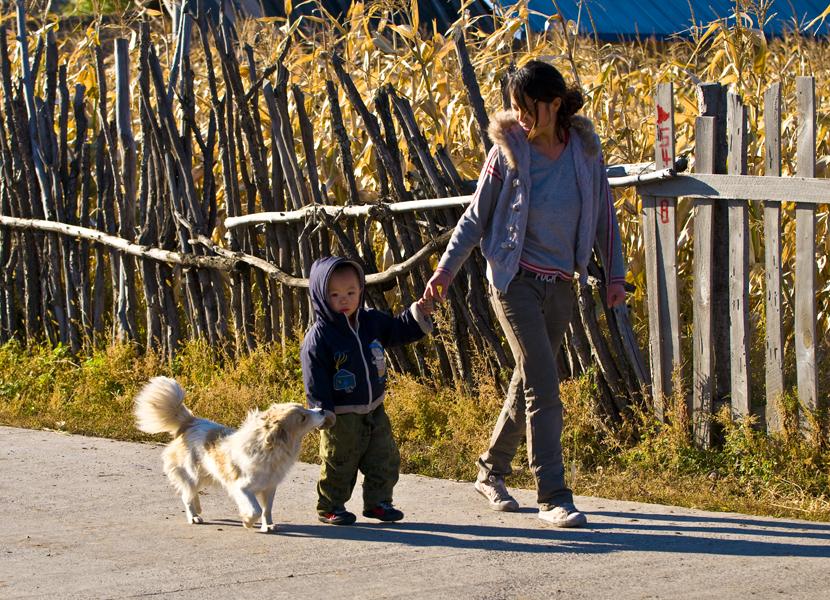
{"x":248,"y":462}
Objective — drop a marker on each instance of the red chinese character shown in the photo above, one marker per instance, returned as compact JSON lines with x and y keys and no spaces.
{"x":664,"y":211}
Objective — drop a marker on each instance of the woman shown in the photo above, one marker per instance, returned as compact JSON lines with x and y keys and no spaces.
{"x":541,"y":206}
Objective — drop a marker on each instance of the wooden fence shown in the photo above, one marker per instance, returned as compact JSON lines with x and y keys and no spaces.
{"x":720,"y":321}
{"x":111,"y":224}
{"x":107,"y":232}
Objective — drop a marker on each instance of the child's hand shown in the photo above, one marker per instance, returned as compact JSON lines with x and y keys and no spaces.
{"x":426,"y":306}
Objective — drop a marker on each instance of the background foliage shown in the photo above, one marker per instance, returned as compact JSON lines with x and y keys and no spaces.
{"x":384,"y":42}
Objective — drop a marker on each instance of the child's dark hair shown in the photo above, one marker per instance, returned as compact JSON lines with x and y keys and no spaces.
{"x":347,"y":266}
{"x":537,"y":80}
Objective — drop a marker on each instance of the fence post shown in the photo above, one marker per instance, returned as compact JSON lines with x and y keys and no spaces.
{"x":736,"y":123}
{"x":468,"y":76}
{"x":703,"y":380}
{"x":660,"y":239}
{"x":127,"y":300}
{"x":774,"y":364}
{"x":805,"y":252}
{"x":712,"y":103}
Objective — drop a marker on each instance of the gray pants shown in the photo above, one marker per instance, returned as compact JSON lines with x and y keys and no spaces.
{"x":534,"y":315}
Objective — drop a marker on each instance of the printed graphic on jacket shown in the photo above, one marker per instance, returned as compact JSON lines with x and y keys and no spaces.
{"x":344,"y":380}
{"x":378,"y":358}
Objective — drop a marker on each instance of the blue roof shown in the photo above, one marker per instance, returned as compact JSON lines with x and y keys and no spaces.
{"x":663,"y":18}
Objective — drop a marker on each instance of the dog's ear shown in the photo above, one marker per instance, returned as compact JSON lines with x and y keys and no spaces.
{"x":277,"y":435}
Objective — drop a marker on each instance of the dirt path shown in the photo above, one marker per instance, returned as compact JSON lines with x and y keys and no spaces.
{"x":94,"y":518}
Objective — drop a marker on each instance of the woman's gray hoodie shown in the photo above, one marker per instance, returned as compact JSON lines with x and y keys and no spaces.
{"x":497,"y":215}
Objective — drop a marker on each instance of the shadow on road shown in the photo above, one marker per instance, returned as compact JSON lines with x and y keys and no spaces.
{"x":595,"y":538}
{"x":741,"y":521}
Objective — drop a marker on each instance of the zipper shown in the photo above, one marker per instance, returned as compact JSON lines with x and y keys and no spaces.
{"x":363,"y":358}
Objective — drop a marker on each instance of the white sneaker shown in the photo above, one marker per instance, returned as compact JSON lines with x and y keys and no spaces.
{"x":564,"y":515}
{"x":494,"y":490}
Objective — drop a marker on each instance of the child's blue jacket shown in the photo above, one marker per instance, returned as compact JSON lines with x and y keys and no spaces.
{"x":344,"y":369}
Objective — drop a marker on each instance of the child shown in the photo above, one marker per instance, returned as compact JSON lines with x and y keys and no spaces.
{"x":344,"y":373}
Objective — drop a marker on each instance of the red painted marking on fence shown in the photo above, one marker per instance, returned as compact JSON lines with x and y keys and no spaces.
{"x":664,"y":211}
{"x":662,"y":115}
{"x":664,"y":143}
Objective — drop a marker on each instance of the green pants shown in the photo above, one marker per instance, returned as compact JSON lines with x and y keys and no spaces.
{"x":355,"y":442}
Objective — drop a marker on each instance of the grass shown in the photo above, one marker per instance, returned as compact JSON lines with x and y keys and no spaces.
{"x":440,"y":430}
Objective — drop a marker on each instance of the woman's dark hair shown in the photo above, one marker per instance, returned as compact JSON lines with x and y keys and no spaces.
{"x":542,"y":82}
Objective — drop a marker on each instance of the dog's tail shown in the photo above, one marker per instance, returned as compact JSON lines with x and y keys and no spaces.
{"x":159,"y":407}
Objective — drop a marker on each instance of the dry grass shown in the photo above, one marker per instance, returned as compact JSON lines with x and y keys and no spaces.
{"x":42,"y":387}
{"x":440,"y":431}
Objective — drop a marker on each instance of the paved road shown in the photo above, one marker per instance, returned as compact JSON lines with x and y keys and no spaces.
{"x":94,"y":518}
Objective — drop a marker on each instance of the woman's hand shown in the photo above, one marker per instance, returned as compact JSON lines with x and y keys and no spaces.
{"x":437,"y":286}
{"x":614,"y":294}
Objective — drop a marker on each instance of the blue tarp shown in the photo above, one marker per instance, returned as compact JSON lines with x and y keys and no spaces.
{"x":614,"y":19}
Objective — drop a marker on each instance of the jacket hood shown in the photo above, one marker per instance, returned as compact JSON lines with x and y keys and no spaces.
{"x":505,"y":131}
{"x":318,"y":283}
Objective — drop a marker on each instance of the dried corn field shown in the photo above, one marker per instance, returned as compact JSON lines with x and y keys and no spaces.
{"x":278,"y":117}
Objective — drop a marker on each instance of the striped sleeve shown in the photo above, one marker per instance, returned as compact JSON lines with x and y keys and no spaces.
{"x":609,"y":243}
{"x":471,"y":226}
{"x":492,"y":168}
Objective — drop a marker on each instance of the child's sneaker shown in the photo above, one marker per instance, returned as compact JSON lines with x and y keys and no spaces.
{"x":383,"y":511}
{"x":337,"y":517}
{"x":494,"y":490}
{"x":564,"y":515}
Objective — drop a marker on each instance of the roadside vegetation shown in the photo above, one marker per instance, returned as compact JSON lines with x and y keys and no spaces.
{"x":440,"y":431}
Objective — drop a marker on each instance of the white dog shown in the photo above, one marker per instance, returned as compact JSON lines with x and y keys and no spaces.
{"x":248,"y":462}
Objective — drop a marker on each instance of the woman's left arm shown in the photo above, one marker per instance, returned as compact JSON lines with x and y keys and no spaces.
{"x":608,"y":239}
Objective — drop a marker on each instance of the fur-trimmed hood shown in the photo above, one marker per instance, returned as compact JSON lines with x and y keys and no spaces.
{"x":497,"y":216}
{"x":507,"y":134}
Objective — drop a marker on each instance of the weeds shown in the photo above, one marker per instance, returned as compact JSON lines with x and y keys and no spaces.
{"x":440,"y":431}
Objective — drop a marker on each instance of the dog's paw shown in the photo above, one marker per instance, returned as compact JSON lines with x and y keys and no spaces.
{"x":272,"y":528}
{"x":196,"y":520}
{"x":248,"y":522}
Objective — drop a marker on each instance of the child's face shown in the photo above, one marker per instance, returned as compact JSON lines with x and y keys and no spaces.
{"x":344,"y":292}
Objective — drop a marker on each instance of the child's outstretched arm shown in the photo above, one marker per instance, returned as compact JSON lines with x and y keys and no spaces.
{"x":410,"y":326}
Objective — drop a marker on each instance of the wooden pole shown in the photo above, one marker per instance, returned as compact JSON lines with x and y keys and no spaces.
{"x":712,"y":103}
{"x":468,"y":77}
{"x":127,"y":302}
{"x":774,"y":363}
{"x":738,"y":262}
{"x":703,"y":379}
{"x":805,"y":255}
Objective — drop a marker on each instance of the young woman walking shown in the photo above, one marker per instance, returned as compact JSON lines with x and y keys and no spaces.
{"x":542,"y":205}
